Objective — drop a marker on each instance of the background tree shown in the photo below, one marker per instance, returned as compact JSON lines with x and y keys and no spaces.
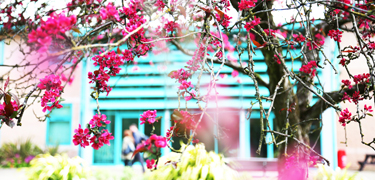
{"x":114,"y":33}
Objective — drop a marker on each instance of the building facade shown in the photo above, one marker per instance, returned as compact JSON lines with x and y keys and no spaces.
{"x":146,"y":86}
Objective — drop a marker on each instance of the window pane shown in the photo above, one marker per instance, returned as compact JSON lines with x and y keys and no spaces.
{"x":59,"y":133}
{"x":254,"y":139}
{"x":105,"y":154}
{"x":148,"y":128}
{"x":63,"y":114}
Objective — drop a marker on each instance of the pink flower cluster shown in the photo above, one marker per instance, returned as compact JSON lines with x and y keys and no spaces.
{"x":52,"y":85}
{"x":246,"y":4}
{"x":56,"y":25}
{"x":188,"y":120}
{"x":182,"y":75}
{"x":335,"y":35}
{"x":299,"y":38}
{"x":252,"y":24}
{"x":309,"y":68}
{"x":152,"y":144}
{"x":234,"y":73}
{"x":135,"y":20}
{"x":367,"y":108}
{"x":185,"y":85}
{"x":160,"y":4}
{"x":223,"y":19}
{"x":148,"y":116}
{"x":150,"y":164}
{"x":170,"y":26}
{"x":345,"y":115}
{"x":344,"y":61}
{"x":108,"y":66}
{"x":188,"y":98}
{"x":347,"y":83}
{"x":361,"y":78}
{"x":109,"y":12}
{"x":97,"y":120}
{"x":193,"y":64}
{"x":84,"y":138}
{"x":318,"y":42}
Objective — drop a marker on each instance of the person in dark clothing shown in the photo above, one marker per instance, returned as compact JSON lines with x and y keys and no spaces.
{"x":138,"y":139}
{"x":127,"y":148}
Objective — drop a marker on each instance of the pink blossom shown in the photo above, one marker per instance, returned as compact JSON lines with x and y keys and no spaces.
{"x":97,"y":141}
{"x":158,"y":141}
{"x":368,"y":108}
{"x":81,"y":137}
{"x":343,"y":61}
{"x":55,"y":25}
{"x":150,"y":164}
{"x":308,"y":68}
{"x":223,"y":20}
{"x":335,"y":34}
{"x":252,"y":24}
{"x":52,"y":85}
{"x":97,"y":120}
{"x":170,"y":26}
{"x":187,"y":98}
{"x":362,"y":78}
{"x":109,"y":12}
{"x":317,"y":43}
{"x":148,"y":116}
{"x":299,"y":38}
{"x":356,"y":97}
{"x":246,"y":4}
{"x":223,"y":75}
{"x":345,"y":115}
{"x":347,"y":83}
{"x":234,"y":73}
{"x":160,"y":4}
{"x":346,"y":97}
{"x":185,"y":85}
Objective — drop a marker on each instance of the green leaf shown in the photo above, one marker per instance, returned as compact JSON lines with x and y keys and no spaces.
{"x":369,"y":114}
{"x":14,"y":114}
{"x":76,"y":30}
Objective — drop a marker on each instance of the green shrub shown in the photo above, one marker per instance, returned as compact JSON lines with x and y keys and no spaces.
{"x":58,"y":167}
{"x":329,"y":174}
{"x":18,"y":154}
{"x":196,"y":163}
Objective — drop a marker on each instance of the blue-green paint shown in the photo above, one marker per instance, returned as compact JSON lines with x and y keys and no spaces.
{"x":83,"y":100}
{"x":118,"y":140}
{"x":60,"y":116}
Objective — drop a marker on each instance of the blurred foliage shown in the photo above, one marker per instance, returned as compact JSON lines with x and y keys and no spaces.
{"x":18,"y":154}
{"x":128,"y":174}
{"x":196,"y":163}
{"x":329,"y":174}
{"x":58,"y":167}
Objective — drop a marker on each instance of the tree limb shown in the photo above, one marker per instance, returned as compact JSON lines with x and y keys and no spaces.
{"x":334,"y":97}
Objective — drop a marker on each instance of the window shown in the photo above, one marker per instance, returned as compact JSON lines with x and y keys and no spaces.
{"x":59,"y":126}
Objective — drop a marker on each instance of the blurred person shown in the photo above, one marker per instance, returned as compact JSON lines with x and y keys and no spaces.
{"x":127,"y":147}
{"x":138,"y":139}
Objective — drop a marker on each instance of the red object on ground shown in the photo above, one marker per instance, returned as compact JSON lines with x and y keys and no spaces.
{"x":341,"y":158}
